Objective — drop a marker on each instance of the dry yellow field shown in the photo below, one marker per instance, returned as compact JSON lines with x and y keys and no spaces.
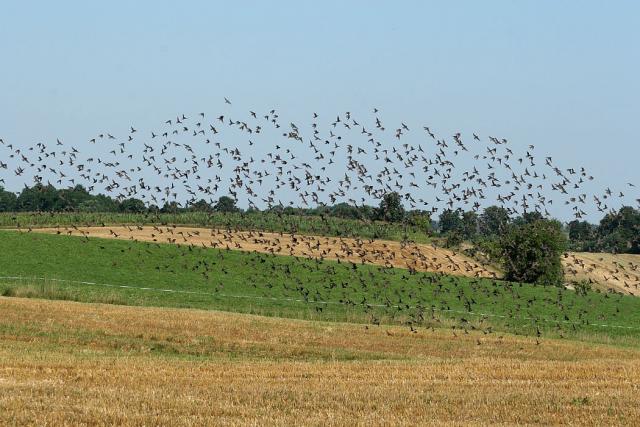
{"x":72,"y":363}
{"x":618,"y":272}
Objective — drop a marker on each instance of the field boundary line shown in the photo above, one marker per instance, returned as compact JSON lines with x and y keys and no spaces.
{"x":310,"y":301}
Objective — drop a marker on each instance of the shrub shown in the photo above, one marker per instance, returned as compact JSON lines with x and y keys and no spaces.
{"x":531,"y":252}
{"x":453,"y":240}
{"x":583,"y":287}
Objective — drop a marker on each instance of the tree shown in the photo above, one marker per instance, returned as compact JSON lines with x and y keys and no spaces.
{"x":580,"y":231}
{"x":581,"y":235}
{"x":345,"y":210}
{"x":132,"y":205}
{"x":39,"y":198}
{"x":620,"y":231}
{"x":171,"y":207}
{"x":391,"y":208}
{"x":493,"y":221}
{"x":531,"y":252}
{"x":469,"y":229}
{"x":529,"y":217}
{"x":226,"y":204}
{"x":7,"y":200}
{"x":450,"y":222}
{"x":72,"y":198}
{"x":200,"y":206}
{"x":99,"y":203}
{"x":421,"y":220}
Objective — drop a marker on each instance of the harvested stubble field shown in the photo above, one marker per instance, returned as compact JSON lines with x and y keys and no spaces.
{"x":74,"y":363}
{"x":620,"y":272}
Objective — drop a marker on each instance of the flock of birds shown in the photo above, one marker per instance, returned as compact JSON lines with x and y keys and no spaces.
{"x":354,"y":160}
{"x":263,"y":161}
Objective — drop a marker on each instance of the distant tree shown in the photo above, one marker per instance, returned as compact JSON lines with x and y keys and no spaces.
{"x":106,"y":203}
{"x":7,"y":200}
{"x":469,"y":226}
{"x":99,"y":203}
{"x":345,"y":210}
{"x":132,"y":205}
{"x":581,"y":235}
{"x":40,"y":198}
{"x":171,"y":207}
{"x":580,"y":231}
{"x":531,"y":252}
{"x":620,"y":231}
{"x":367,"y":212}
{"x":493,"y":221}
{"x":421,"y":220}
{"x":391,"y":208}
{"x":200,"y":206}
{"x":72,"y":198}
{"x":289,"y":210}
{"x":450,"y":222}
{"x":226,"y":204}
{"x":528,"y":217}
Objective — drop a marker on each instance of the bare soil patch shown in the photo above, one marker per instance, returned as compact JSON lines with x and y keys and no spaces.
{"x":619,"y":272}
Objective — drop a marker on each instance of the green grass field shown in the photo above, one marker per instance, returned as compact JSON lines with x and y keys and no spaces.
{"x":264,"y":221}
{"x":300,"y":288}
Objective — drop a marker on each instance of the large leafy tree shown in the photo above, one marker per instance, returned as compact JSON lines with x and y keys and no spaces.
{"x":620,"y":231}
{"x":226,"y":204}
{"x":391,"y":208}
{"x":72,"y":198}
{"x":345,"y":210}
{"x":40,"y":198}
{"x":450,"y":222}
{"x":133,"y":205}
{"x":493,"y":221}
{"x":581,"y":235}
{"x":532,"y":251}
{"x":421,"y":220}
{"x":469,"y":225}
{"x":7,"y":200}
{"x":200,"y":206}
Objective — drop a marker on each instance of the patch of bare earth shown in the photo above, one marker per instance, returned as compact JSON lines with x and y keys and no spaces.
{"x":619,"y":272}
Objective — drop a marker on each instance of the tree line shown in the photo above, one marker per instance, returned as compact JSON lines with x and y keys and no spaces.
{"x":617,"y":232}
{"x":46,"y":198}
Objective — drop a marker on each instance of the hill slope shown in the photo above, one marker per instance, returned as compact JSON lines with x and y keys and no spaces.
{"x":619,"y":272}
{"x":143,"y":273}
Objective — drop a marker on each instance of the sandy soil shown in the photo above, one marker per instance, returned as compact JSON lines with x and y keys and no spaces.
{"x":620,"y":272}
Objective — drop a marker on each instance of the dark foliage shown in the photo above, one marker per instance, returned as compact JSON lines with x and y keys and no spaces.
{"x":532,"y":250}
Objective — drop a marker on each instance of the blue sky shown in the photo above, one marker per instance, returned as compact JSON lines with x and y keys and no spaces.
{"x":560,"y":75}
